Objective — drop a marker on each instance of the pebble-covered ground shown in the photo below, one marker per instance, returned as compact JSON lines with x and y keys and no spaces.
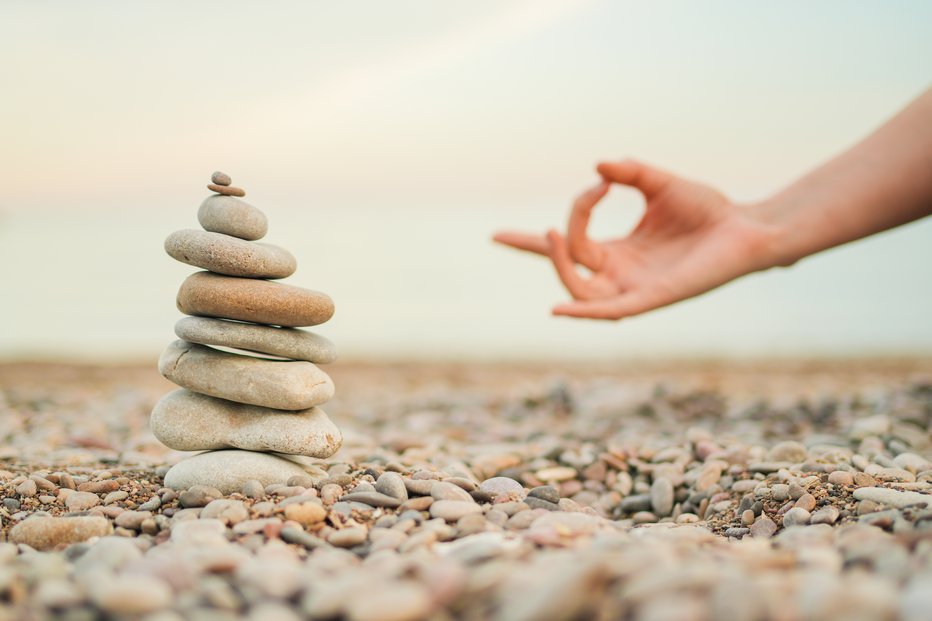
{"x":688,"y":492}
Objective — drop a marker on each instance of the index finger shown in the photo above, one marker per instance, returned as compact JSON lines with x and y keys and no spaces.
{"x":523,"y":241}
{"x":581,"y":248}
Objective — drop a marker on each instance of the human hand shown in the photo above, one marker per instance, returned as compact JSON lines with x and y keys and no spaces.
{"x":690,"y":239}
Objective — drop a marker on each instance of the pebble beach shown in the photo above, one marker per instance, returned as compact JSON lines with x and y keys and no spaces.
{"x":687,"y":491}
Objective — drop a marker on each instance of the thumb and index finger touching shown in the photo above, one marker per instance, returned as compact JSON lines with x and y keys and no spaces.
{"x":595,"y":296}
{"x":647,"y":179}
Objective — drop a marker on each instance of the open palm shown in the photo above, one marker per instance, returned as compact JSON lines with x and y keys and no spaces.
{"x":690,"y":239}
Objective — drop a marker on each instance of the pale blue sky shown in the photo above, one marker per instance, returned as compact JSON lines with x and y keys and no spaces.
{"x":386,"y":141}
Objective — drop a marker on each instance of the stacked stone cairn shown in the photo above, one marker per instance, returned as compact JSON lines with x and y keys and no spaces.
{"x":253,"y":410}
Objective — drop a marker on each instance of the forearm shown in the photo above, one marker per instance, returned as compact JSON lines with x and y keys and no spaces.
{"x":882,"y":182}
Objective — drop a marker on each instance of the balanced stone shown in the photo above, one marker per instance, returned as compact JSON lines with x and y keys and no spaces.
{"x":232,"y":216}
{"x":228,"y":470}
{"x":226,"y":190}
{"x":188,"y":421}
{"x":229,"y":255}
{"x":279,"y":384}
{"x":221,"y":178}
{"x":285,"y":342}
{"x":259,"y":301}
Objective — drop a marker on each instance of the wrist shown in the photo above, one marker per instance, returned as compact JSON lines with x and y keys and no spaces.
{"x":775,"y":244}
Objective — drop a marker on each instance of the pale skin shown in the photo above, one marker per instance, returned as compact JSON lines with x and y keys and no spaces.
{"x":692,"y":238}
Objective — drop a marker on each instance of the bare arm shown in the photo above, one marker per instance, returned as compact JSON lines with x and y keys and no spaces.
{"x":882,"y":182}
{"x":692,"y":238}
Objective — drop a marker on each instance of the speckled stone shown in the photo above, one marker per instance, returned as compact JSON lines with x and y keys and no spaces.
{"x":258,"y":301}
{"x":453,"y":510}
{"x":220,"y":178}
{"x":45,"y":533}
{"x":225,"y":254}
{"x":892,"y":497}
{"x":188,"y":421}
{"x":290,"y":343}
{"x":278,"y":384}
{"x":497,"y":486}
{"x":229,"y":470}
{"x":232,"y":216}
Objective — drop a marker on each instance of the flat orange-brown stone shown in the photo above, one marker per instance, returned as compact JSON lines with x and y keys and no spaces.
{"x":259,"y":301}
{"x":226,"y":190}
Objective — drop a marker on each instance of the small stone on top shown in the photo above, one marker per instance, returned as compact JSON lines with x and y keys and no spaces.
{"x":226,"y":190}
{"x":221,"y":178}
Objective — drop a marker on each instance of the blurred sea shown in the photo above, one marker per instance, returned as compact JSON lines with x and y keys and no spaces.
{"x":417,"y":281}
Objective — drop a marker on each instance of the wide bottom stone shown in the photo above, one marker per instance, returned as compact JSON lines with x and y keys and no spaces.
{"x":228,"y":470}
{"x":189,"y":421}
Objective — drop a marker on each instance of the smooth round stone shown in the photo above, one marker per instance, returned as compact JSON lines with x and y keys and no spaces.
{"x":453,"y":510}
{"x":892,"y":497}
{"x":278,"y":384}
{"x":229,"y":470}
{"x":188,"y":421}
{"x":391,"y":484}
{"x":662,"y":496}
{"x":232,"y":216}
{"x":396,"y":600}
{"x":131,"y":595}
{"x":285,"y":342}
{"x":497,"y":486}
{"x":224,"y":254}
{"x":441,"y":490}
{"x":258,"y":301}
{"x":348,"y":537}
{"x":45,"y":533}
{"x":81,"y":501}
{"x":545,"y":492}
{"x":373,"y":499}
{"x":796,"y":517}
{"x":221,"y":178}
{"x":226,"y":190}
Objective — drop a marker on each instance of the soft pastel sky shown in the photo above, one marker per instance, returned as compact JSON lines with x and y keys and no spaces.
{"x":386,"y":141}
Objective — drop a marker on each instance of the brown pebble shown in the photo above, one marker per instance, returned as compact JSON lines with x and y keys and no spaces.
{"x":807,"y":502}
{"x":226,"y":190}
{"x":764,"y":527}
{"x":840,"y":477}
{"x":43,"y":483}
{"x":45,"y":533}
{"x":796,"y":491}
{"x":419,"y":503}
{"x":747,"y":517}
{"x":259,"y":301}
{"x":348,"y":537}
{"x":27,"y":488}
{"x":306,"y":513}
{"x":99,"y":487}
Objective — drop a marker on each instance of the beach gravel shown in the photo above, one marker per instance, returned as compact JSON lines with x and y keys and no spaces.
{"x":780,"y":491}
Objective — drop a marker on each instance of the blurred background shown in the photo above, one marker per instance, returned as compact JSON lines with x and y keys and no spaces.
{"x":386,"y":142}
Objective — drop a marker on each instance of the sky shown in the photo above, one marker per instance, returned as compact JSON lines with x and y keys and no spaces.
{"x":387,"y":142}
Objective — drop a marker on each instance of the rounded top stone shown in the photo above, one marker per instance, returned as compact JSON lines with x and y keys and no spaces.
{"x":221,"y":178}
{"x":232,"y":216}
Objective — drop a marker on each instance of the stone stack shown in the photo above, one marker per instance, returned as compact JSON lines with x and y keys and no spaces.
{"x":253,"y":410}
